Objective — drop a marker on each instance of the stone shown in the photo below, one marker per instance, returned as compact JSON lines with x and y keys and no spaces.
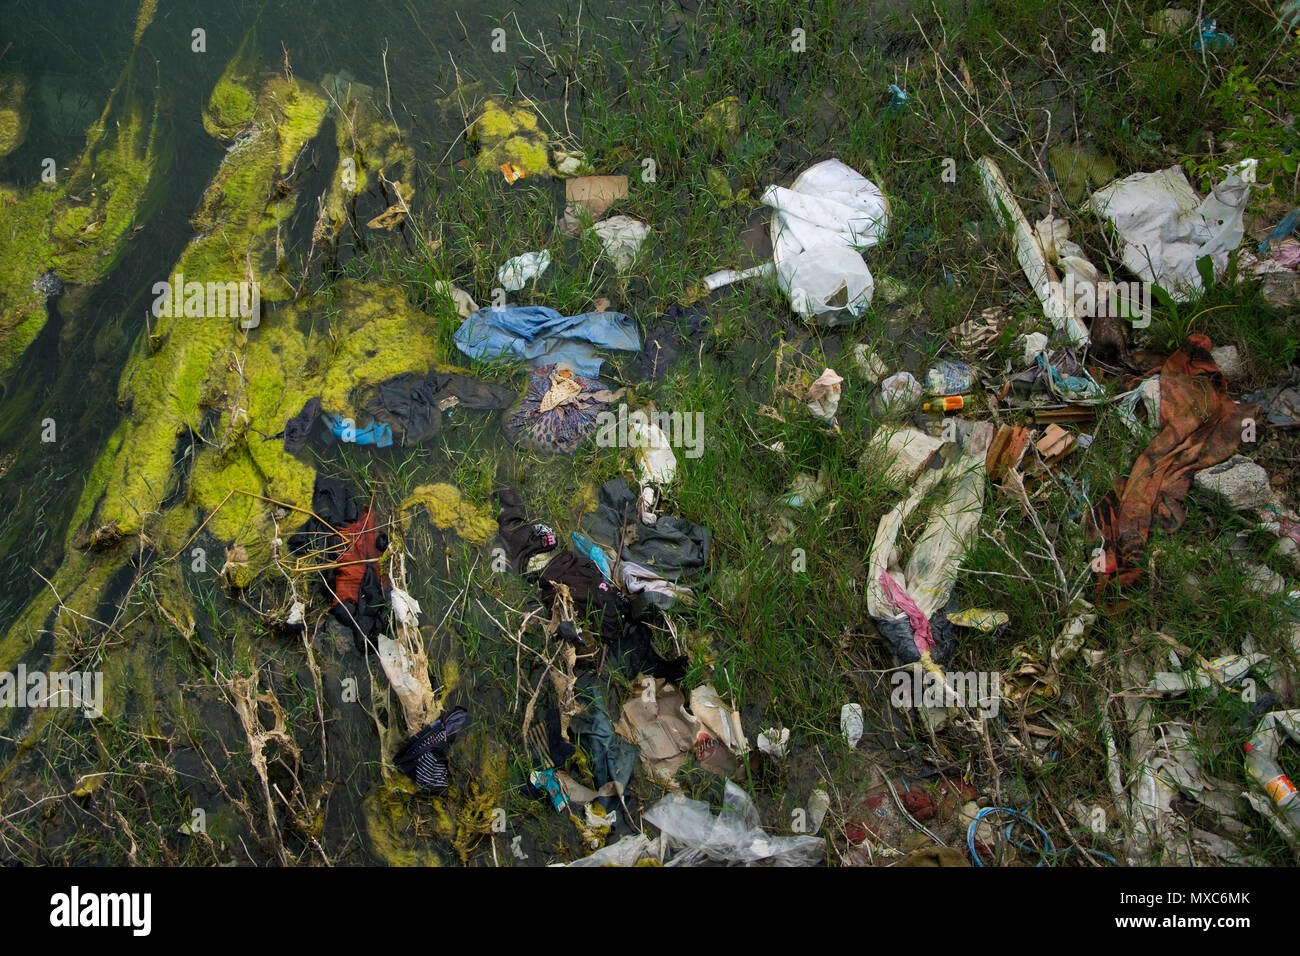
{"x":1238,"y":482}
{"x":1229,"y":361}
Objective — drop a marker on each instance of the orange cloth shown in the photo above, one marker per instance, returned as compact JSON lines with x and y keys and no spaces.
{"x":1201,"y":427}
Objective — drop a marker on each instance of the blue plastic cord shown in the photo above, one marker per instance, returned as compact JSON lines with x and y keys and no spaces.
{"x":1049,"y":848}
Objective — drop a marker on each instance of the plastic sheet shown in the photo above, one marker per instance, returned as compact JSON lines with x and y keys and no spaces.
{"x":694,"y":835}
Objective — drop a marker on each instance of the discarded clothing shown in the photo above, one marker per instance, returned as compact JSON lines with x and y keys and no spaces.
{"x":591,"y":593}
{"x":297,"y":430}
{"x":654,"y":590}
{"x":612,"y":757}
{"x":634,"y":651}
{"x":524,"y":540}
{"x":672,"y":547}
{"x":423,"y":758}
{"x":413,"y":404}
{"x":359,"y":589}
{"x":332,"y":506}
{"x":597,"y":599}
{"x":343,"y":533}
{"x":662,"y":343}
{"x":629,"y":638}
{"x":1201,"y":427}
{"x":543,"y":337}
{"x":345,"y":430}
{"x":558,"y":410}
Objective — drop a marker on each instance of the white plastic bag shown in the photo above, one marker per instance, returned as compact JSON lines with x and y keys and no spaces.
{"x":734,"y":836}
{"x":515,"y":273}
{"x":622,"y":237}
{"x":829,"y":204}
{"x":1165,"y":227}
{"x":824,"y":280}
{"x":828,"y":213}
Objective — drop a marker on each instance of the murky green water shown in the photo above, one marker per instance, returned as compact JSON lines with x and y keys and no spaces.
{"x":72,"y":55}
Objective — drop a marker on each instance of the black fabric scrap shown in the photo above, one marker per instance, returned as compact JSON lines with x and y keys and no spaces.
{"x":898,"y":631}
{"x":663,"y":342}
{"x":423,"y":757}
{"x":297,"y":430}
{"x":409,"y":403}
{"x":523,"y":538}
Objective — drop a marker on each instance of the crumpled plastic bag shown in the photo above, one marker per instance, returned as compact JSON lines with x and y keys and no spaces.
{"x":622,"y":237}
{"x":632,"y":850}
{"x":902,"y":452}
{"x":823,"y":396}
{"x":825,"y":280}
{"x":927,"y":578}
{"x":829,"y":204}
{"x":1165,"y":226}
{"x":828,"y":213}
{"x":515,"y":273}
{"x":694,"y":835}
{"x":897,"y":393}
{"x":656,"y":462}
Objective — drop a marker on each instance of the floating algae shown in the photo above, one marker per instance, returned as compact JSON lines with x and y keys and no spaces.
{"x":13,"y":112}
{"x":197,"y":374}
{"x":198,"y":450}
{"x":448,"y":510}
{"x":77,"y":227}
{"x":148,"y":8}
{"x":166,"y":381}
{"x":510,"y":134}
{"x":234,"y":98}
{"x":371,"y":148}
{"x":374,"y":334}
{"x":205,"y":390}
{"x":400,"y":821}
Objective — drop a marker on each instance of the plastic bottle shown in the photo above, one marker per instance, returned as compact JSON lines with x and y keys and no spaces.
{"x":1265,"y":771}
{"x":941,"y":405}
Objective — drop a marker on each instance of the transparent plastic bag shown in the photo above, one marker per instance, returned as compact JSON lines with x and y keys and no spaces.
{"x":734,"y":836}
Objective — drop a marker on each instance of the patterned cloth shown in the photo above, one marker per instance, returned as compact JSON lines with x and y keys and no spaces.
{"x":561,"y":422}
{"x":423,"y":758}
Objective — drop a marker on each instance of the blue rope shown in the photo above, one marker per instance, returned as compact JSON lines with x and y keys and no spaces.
{"x":1049,"y":849}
